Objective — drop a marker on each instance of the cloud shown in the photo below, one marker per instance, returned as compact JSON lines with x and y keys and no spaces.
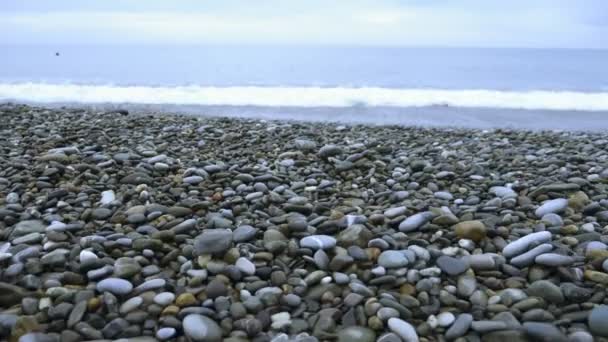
{"x":541,"y":23}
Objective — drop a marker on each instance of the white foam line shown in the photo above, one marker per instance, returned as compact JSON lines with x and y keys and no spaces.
{"x":305,"y":96}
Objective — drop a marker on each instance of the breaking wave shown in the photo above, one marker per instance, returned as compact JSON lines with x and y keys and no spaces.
{"x":304,"y":96}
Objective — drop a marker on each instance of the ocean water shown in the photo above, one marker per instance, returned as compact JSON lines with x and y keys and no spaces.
{"x":441,"y":85}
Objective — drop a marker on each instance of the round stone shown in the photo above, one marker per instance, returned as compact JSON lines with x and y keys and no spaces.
{"x":598,"y":320}
{"x":245,"y":266}
{"x":213,"y":241}
{"x":445,"y":319}
{"x":472,"y":230}
{"x":165,"y":333}
{"x":201,"y":328}
{"x":164,"y":298}
{"x":392,"y":259}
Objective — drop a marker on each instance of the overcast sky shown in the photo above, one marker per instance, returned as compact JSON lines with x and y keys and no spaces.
{"x":481,"y":23}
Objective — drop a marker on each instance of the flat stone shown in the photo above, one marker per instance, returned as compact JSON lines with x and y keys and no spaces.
{"x":460,"y":326}
{"x":452,"y":266}
{"x":544,"y":332}
{"x":115,"y":286}
{"x":546,"y":290}
{"x":213,"y":241}
{"x":392,"y":259}
{"x":245,"y":266}
{"x":527,"y":258}
{"x":554,"y":260}
{"x":415,"y":221}
{"x":356,"y":333}
{"x":318,"y":242}
{"x":244,"y":233}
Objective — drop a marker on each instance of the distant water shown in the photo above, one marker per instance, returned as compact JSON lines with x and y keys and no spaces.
{"x":298,"y":79}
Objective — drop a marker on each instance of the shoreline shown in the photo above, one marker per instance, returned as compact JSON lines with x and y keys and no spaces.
{"x":421,"y":117}
{"x":177,"y":227}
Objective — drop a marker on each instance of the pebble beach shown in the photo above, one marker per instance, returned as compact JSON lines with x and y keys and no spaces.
{"x":119,"y":226}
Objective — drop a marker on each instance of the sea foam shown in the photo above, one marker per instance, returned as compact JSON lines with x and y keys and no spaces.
{"x":304,"y":96}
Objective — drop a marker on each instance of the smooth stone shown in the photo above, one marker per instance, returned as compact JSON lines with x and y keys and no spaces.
{"x":318,"y":242}
{"x":115,"y":286}
{"x":554,"y":260}
{"x":522,"y":244}
{"x":415,"y":221}
{"x":130,"y":305}
{"x":77,"y":313}
{"x":392,"y":259}
{"x":598,"y":320}
{"x":107,"y":197}
{"x":551,"y":206}
{"x":552,"y":220}
{"x":527,"y":258}
{"x":580,"y":336}
{"x":487,"y":326}
{"x":403,"y":329}
{"x":164,"y":298}
{"x":165,"y":333}
{"x":452,"y":266}
{"x":394,"y":212}
{"x":243,"y":233}
{"x":245,"y":266}
{"x":546,"y":290}
{"x":27,"y":227}
{"x":544,"y":332}
{"x":445,"y":319}
{"x":202,"y":328}
{"x":356,"y":333}
{"x":213,"y":241}
{"x":605,"y":265}
{"x":460,"y":326}
{"x":472,"y":230}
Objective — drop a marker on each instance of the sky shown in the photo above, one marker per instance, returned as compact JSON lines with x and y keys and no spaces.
{"x":455,"y":23}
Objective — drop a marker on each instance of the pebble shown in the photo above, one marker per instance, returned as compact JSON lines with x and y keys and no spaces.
{"x":201,"y":328}
{"x":318,"y":242}
{"x":415,"y":221}
{"x":403,"y":329}
{"x":115,"y":286}
{"x":452,"y":266}
{"x":552,"y":206}
{"x":460,"y":326}
{"x":245,"y":266}
{"x":213,"y":241}
{"x":392,"y":259}
{"x":522,"y":244}
{"x":598,"y":319}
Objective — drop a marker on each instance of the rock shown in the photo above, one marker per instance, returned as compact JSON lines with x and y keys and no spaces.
{"x":460,"y":326}
{"x":546,"y":290}
{"x":392,"y":259}
{"x":598,"y":319}
{"x":77,"y":313}
{"x":552,"y":220}
{"x":357,"y":235}
{"x":10,"y":295}
{"x":403,"y":329}
{"x":452,"y":266}
{"x":201,"y":328}
{"x":116,"y":286}
{"x":245,"y":266}
{"x":164,"y":298}
{"x":244,"y":233}
{"x":527,"y":258}
{"x":136,"y":179}
{"x":356,"y":333}
{"x":165,"y":333}
{"x":107,"y":197}
{"x":415,"y":221}
{"x":318,"y":242}
{"x":554,"y":260}
{"x":544,"y":332}
{"x":216,"y":288}
{"x":445,"y":319}
{"x":27,"y":227}
{"x":552,"y":206}
{"x":329,"y":151}
{"x":522,"y":244}
{"x":394,"y":212}
{"x":472,"y":230}
{"x":213,"y":241}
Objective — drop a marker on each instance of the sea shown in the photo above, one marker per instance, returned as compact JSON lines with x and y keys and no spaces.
{"x":559,"y":89}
